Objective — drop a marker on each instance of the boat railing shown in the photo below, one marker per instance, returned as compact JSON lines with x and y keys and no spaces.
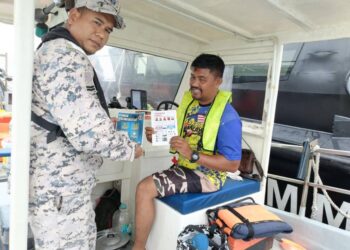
{"x":310,"y":161}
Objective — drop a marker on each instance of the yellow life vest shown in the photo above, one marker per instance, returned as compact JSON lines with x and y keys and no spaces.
{"x":206,"y":143}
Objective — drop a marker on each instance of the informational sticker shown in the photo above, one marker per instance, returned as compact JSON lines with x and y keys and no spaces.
{"x":132,"y":123}
{"x":164,"y":123}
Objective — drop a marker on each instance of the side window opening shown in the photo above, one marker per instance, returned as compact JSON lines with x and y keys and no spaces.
{"x":314,"y":78}
{"x":120,"y":70}
{"x":248,"y":83}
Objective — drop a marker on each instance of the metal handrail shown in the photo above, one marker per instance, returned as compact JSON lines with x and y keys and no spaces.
{"x":313,"y":165}
{"x":299,"y":148}
{"x":311,"y":184}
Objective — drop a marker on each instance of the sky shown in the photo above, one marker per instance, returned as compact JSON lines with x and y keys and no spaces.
{"x":7,"y":44}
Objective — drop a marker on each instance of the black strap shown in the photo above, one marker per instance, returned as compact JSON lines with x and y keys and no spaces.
{"x":237,"y":202}
{"x":100,"y":94}
{"x":54,"y":130}
{"x":61,"y":32}
{"x":259,"y":168}
{"x":247,"y":144}
{"x":244,"y":220}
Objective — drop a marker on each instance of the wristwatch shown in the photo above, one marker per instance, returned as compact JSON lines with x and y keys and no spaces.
{"x":194,"y":156}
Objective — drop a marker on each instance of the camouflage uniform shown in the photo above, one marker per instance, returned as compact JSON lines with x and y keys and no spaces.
{"x":65,"y":222}
{"x":62,"y":173}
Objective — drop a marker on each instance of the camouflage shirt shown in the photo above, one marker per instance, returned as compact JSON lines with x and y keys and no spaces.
{"x":64,"y":94}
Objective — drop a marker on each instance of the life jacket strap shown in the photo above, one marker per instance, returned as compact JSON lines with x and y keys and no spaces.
{"x":54,"y":130}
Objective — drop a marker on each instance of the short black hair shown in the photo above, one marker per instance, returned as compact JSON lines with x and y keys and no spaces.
{"x":69,"y":4}
{"x":212,"y":62}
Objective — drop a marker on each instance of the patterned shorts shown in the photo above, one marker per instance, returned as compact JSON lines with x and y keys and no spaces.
{"x":179,"y":179}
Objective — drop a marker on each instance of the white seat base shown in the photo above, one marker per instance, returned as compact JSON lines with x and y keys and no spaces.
{"x":169,"y":223}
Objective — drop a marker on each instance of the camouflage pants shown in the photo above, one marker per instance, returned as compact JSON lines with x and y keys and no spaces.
{"x":62,"y":223}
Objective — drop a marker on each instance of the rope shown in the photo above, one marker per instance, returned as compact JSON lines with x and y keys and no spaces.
{"x":316,"y":165}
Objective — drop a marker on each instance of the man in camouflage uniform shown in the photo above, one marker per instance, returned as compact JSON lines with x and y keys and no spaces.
{"x":71,"y":130}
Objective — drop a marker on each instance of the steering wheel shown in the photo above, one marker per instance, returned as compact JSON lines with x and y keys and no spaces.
{"x":166,"y":105}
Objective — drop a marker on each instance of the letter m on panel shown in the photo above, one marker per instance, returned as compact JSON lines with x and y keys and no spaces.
{"x":291,"y":193}
{"x":323,"y":205}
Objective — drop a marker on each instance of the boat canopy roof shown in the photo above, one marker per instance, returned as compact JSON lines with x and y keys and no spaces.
{"x":205,"y":21}
{"x":241,"y":31}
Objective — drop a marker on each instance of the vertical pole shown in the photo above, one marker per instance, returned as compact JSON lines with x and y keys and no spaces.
{"x":308,"y":159}
{"x":270,"y":107}
{"x":20,"y":132}
{"x":302,"y":207}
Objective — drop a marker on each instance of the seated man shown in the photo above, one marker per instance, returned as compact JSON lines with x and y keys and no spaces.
{"x":208,"y":145}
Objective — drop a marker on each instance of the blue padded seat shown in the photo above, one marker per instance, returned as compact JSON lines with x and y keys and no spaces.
{"x":188,"y":203}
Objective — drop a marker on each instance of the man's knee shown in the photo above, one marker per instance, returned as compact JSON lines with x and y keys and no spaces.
{"x":146,"y":188}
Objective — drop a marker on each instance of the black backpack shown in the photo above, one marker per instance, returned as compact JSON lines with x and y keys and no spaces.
{"x":105,"y":208}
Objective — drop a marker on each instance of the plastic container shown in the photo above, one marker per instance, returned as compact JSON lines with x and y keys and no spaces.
{"x":115,"y":220}
{"x":121,"y":220}
{"x":110,"y":240}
